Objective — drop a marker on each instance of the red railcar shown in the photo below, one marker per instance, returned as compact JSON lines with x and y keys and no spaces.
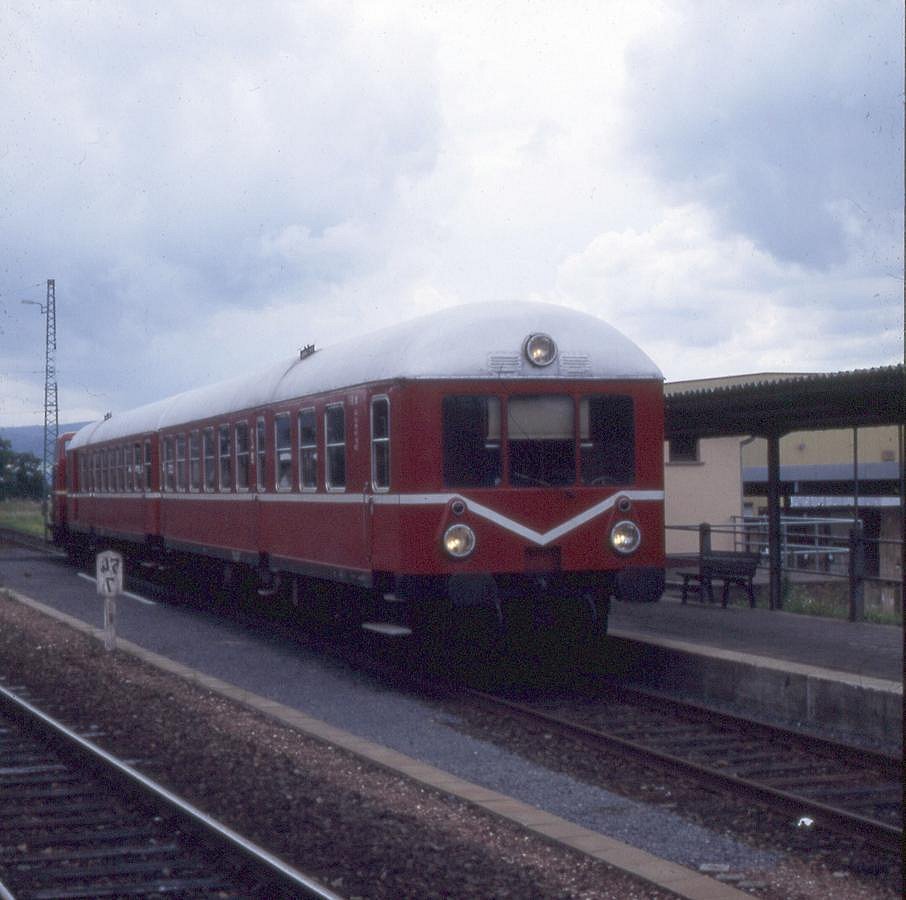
{"x":484,"y":456}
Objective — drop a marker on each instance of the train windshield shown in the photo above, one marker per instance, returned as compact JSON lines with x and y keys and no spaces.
{"x":538,"y":448}
{"x":541,"y":441}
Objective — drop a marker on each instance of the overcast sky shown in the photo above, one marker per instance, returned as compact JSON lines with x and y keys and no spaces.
{"x":214,"y":185}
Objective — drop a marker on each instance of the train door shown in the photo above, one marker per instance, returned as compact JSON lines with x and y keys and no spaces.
{"x":379,"y":482}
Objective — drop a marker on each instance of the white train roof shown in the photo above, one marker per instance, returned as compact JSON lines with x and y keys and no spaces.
{"x":475,"y":341}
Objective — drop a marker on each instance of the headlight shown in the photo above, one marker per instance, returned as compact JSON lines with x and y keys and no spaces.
{"x":625,"y":537}
{"x":540,"y":349}
{"x":459,"y":541}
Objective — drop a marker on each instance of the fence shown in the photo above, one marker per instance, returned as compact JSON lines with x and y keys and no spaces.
{"x":819,"y":549}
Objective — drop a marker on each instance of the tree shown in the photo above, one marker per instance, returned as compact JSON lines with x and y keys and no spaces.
{"x":21,"y":475}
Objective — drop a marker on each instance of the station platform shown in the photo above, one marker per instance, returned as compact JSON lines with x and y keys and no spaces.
{"x":824,"y":673}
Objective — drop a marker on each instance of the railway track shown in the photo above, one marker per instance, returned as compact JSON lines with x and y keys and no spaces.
{"x":76,"y":822}
{"x":824,"y":784}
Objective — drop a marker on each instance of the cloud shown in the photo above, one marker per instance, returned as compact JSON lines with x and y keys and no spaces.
{"x":777,"y":117}
{"x":702,"y":302}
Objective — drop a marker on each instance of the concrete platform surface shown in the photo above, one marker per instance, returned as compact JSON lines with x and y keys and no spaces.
{"x":858,"y":648}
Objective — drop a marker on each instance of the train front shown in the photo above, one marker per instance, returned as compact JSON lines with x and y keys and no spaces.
{"x":547,"y":461}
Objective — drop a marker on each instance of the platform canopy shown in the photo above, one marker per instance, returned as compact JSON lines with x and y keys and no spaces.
{"x":778,"y":405}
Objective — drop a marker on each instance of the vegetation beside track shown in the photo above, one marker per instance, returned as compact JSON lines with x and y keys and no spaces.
{"x":22,"y":515}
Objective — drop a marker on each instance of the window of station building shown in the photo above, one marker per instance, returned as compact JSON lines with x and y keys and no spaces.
{"x":335,"y":447}
{"x":226,"y":458}
{"x":194,"y":462}
{"x":169,"y":464}
{"x":541,"y":440}
{"x":243,"y":456}
{"x":607,"y":439}
{"x":682,"y":449}
{"x":308,"y":449}
{"x":283,"y":446}
{"x":471,"y":441}
{"x":182,"y":469}
{"x":147,"y":464}
{"x":380,"y":443}
{"x":260,"y":453}
{"x":210,"y":461}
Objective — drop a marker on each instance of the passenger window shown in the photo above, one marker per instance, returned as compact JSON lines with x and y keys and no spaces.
{"x":308,"y":449}
{"x":147,"y":465}
{"x":195,"y":461}
{"x":139,"y":480}
{"x":260,"y":454}
{"x":380,"y":443}
{"x":335,"y":447}
{"x":169,"y":465}
{"x":541,"y":441}
{"x":226,"y":459}
{"x":283,"y":444}
{"x":182,"y":472}
{"x":243,"y":459}
{"x":210,"y":459}
{"x":607,"y":430}
{"x":471,"y":436}
{"x":127,"y":451}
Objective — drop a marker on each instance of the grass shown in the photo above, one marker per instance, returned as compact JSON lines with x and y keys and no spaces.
{"x":22,"y":515}
{"x":831,"y":600}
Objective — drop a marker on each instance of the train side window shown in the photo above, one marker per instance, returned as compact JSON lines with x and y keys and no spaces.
{"x":308,"y":449}
{"x":169,"y":464}
{"x":471,"y":441}
{"x":182,"y":472}
{"x":607,"y":433}
{"x":283,"y":445}
{"x":260,"y":453}
{"x":120,"y":470}
{"x":195,"y":462}
{"x":335,"y":447}
{"x":139,"y":481}
{"x":147,"y":464}
{"x":243,"y":458}
{"x":380,"y":443}
{"x":226,"y":459}
{"x":210,"y":459}
{"x":129,"y":467}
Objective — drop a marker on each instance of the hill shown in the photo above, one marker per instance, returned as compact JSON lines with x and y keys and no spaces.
{"x":30,"y":438}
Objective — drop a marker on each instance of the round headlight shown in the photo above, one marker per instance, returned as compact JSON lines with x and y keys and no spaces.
{"x":540,"y":349}
{"x":459,"y":541}
{"x":625,"y":537}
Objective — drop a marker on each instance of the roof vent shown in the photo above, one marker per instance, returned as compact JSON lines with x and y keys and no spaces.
{"x":306,"y":351}
{"x":108,"y":415}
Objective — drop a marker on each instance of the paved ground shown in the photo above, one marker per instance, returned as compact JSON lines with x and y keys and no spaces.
{"x":855,"y":647}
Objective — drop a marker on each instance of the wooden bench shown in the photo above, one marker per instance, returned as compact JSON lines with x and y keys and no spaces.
{"x":721,"y":565}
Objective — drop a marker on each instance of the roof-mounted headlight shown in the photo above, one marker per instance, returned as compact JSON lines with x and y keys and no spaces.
{"x":540,"y":349}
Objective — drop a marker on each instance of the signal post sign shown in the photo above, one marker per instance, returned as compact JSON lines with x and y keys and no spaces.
{"x":110,"y":584}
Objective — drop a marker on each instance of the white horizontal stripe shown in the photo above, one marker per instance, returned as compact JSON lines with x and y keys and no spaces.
{"x":478,"y":509}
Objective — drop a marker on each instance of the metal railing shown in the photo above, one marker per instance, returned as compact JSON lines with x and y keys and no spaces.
{"x":820,"y":547}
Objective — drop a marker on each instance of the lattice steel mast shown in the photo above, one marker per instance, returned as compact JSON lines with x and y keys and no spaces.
{"x":51,"y":409}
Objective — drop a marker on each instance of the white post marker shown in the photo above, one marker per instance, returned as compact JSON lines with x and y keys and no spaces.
{"x":110,"y":584}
